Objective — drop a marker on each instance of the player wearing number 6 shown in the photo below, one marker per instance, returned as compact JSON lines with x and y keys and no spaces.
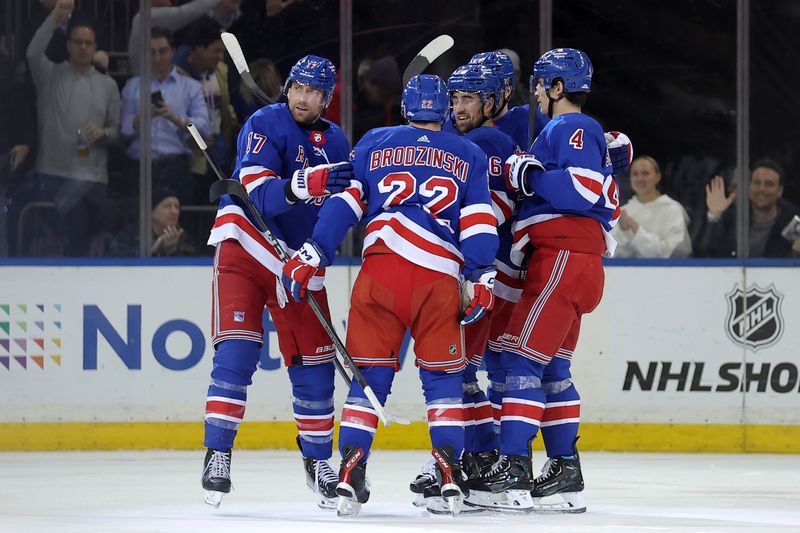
{"x":570,"y":205}
{"x":424,"y":196}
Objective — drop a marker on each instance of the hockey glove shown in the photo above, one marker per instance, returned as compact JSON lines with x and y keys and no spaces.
{"x":518,"y":170}
{"x":299,"y":270}
{"x":620,"y":150}
{"x":478,"y":295}
{"x":321,"y":180}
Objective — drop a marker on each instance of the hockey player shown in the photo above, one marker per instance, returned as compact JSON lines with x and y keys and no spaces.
{"x":476,"y":94}
{"x":287,"y":161}
{"x":563,"y":225}
{"x":425,"y":198}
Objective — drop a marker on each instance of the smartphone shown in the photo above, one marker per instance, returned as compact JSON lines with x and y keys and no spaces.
{"x":156,"y":99}
{"x":792,"y":230}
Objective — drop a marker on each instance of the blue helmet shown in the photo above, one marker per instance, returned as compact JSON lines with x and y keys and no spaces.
{"x":569,"y":64}
{"x":476,"y":78}
{"x":425,"y":99}
{"x":500,"y":64}
{"x":316,"y":72}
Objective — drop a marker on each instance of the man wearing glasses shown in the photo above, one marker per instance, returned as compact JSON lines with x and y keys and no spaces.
{"x":78,"y":118}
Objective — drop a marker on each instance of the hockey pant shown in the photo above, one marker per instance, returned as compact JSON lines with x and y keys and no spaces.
{"x":443,"y":397}
{"x":312,"y":398}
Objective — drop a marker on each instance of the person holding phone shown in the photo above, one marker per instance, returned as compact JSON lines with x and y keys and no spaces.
{"x":176,"y":101}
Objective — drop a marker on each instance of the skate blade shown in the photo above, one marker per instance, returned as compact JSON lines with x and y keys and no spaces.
{"x":327,"y":503}
{"x":439,"y":506}
{"x":565,"y":502}
{"x":214,"y":498}
{"x":517,"y":501}
{"x":347,"y":507}
{"x":419,"y":500}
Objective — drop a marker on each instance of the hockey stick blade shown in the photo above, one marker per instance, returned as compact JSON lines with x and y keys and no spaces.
{"x":426,"y":56}
{"x":235,"y":51}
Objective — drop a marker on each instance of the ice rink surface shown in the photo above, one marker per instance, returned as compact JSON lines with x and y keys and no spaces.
{"x":160,"y":491}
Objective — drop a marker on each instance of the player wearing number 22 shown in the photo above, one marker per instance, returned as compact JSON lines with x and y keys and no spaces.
{"x":424,"y":196}
{"x":286,"y":161}
{"x":570,"y":205}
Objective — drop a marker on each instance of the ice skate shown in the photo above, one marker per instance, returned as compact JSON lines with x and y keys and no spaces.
{"x":505,"y":486}
{"x":216,"y":476}
{"x":353,"y":487}
{"x":322,"y":480}
{"x":450,"y":484}
{"x":475,"y":463}
{"x":558,"y":489}
{"x":424,"y":481}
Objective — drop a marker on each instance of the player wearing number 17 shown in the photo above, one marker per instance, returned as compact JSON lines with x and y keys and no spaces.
{"x":570,"y":205}
{"x":424,"y":195}
{"x":286,"y":161}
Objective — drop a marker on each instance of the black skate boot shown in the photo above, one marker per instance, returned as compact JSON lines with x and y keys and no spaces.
{"x":561,"y":477}
{"x":353,"y":487}
{"x":505,"y":486}
{"x":321,"y":479}
{"x":423,"y":483}
{"x":450,"y":482}
{"x":475,"y":463}
{"x":216,"y":475}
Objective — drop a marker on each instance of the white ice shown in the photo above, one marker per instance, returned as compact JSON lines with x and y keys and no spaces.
{"x":160,"y":491}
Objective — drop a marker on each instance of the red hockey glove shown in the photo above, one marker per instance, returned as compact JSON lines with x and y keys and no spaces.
{"x":478,"y":296}
{"x":518,"y":170}
{"x":620,"y":150}
{"x":321,"y":180}
{"x":299,"y":270}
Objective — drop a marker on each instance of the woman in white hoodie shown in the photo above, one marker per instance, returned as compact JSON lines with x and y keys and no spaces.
{"x":651,"y":224}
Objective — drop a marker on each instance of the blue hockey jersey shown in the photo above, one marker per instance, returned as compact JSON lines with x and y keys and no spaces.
{"x":423,"y":194}
{"x":577,"y":180}
{"x":270,"y":147}
{"x":498,"y":147}
{"x":515,"y":124}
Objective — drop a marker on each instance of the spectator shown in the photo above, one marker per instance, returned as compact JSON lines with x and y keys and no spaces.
{"x":520,"y":96}
{"x":16,"y":139}
{"x":769,"y":215}
{"x":202,"y":60}
{"x":378,"y":98}
{"x":176,"y":100}
{"x":226,"y":12}
{"x":651,"y":224}
{"x":78,"y":117}
{"x":169,"y":238}
{"x":164,"y":15}
{"x":266,"y":76}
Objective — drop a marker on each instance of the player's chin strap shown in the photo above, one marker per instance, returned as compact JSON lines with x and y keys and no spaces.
{"x":551,"y":101}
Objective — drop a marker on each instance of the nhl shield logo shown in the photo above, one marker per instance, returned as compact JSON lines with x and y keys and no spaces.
{"x":754,"y":316}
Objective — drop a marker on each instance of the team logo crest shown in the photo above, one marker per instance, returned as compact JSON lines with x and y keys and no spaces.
{"x":754,"y":316}
{"x":317,"y":137}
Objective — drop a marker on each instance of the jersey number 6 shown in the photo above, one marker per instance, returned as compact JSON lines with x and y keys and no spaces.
{"x":439,"y":191}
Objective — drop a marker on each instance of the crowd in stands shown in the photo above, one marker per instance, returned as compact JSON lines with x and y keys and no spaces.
{"x":69,"y":140}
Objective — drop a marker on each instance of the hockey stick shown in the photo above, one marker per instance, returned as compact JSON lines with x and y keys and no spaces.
{"x":426,"y":56}
{"x":235,"y":51}
{"x":234,"y":188}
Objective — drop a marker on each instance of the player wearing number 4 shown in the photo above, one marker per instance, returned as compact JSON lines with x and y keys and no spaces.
{"x":287,"y":161}
{"x":424,"y":196}
{"x":570,"y":205}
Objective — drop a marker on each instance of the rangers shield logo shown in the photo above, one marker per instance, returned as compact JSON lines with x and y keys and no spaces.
{"x":754,"y":316}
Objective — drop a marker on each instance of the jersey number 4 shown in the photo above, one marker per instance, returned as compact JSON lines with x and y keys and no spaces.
{"x":440,"y":192}
{"x":576,"y":141}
